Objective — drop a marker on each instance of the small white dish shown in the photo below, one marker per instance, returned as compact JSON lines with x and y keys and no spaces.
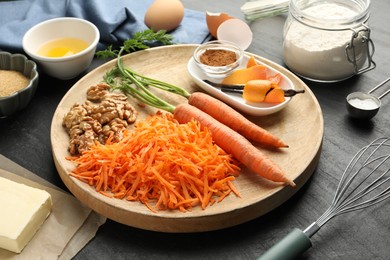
{"x":65,"y":67}
{"x":236,"y":100}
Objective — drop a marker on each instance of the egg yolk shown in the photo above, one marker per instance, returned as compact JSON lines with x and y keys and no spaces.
{"x":62,"y":47}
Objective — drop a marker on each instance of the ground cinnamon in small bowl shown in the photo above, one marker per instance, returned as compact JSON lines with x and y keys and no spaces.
{"x":218,"y":57}
{"x":11,"y":81}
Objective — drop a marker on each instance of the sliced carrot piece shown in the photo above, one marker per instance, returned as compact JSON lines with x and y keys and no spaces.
{"x":276,"y":95}
{"x":251,"y":62}
{"x":277,"y":78}
{"x":255,"y":90}
{"x":242,"y":76}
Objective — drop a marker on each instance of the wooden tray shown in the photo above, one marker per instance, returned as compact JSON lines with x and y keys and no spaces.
{"x":300,"y":124}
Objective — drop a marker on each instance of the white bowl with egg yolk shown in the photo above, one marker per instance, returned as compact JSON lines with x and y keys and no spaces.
{"x":70,"y":46}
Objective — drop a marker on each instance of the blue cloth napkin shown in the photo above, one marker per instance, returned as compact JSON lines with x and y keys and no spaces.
{"x":117,"y":20}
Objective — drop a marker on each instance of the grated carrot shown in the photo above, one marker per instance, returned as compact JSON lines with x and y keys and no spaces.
{"x":161,"y":163}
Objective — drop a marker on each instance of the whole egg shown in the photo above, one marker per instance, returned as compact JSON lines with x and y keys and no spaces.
{"x":164,"y":15}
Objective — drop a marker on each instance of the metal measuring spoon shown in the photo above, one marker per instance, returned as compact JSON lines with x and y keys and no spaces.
{"x":365,"y":105}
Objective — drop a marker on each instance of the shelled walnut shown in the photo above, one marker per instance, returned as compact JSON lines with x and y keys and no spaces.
{"x":102,"y":115}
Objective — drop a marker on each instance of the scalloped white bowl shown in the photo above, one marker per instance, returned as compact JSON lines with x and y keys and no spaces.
{"x":19,"y":99}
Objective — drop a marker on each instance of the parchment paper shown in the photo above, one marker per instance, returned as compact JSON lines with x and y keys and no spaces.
{"x":65,"y":232}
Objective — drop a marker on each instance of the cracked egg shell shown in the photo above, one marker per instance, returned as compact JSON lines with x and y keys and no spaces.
{"x":236,"y":31}
{"x":214,"y":20}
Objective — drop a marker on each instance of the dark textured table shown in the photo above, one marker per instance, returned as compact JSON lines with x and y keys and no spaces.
{"x":24,"y":138}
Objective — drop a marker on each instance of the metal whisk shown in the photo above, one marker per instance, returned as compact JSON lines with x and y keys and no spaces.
{"x":365,"y":182}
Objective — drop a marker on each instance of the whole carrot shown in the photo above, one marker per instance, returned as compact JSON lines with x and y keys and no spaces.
{"x":233,"y":143}
{"x":230,"y":117}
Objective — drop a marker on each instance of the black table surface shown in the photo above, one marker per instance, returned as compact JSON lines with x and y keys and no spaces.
{"x":25,"y":139}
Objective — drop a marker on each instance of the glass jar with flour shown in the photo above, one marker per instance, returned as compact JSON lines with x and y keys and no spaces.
{"x":328,"y":40}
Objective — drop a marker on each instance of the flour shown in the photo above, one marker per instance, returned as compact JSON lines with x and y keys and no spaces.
{"x":319,"y":54}
{"x":366,"y":104}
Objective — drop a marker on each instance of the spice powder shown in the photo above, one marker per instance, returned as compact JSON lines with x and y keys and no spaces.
{"x":218,"y":57}
{"x":11,"y":81}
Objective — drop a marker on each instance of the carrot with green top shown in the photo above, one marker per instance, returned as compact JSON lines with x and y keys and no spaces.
{"x":224,"y":136}
{"x":208,"y":104}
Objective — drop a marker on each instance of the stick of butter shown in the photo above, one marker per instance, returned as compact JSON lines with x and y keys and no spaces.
{"x":23,"y":210}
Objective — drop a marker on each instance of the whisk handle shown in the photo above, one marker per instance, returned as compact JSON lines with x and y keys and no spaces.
{"x":290,"y":247}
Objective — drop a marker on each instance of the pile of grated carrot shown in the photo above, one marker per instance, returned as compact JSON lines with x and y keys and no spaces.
{"x":161,"y":163}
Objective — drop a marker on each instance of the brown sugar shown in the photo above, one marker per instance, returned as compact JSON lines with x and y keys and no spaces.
{"x":11,"y":81}
{"x":218,"y":57}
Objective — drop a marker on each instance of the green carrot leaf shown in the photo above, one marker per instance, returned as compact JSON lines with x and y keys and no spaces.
{"x":140,"y":41}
